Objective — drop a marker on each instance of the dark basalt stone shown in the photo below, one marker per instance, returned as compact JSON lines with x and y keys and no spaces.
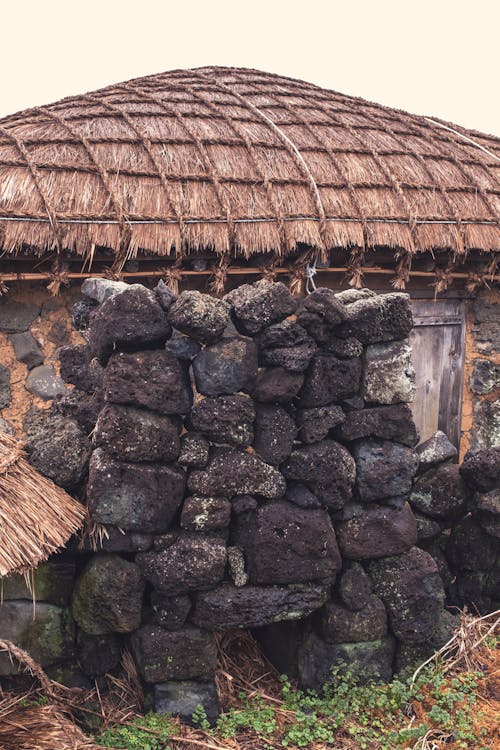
{"x":485,"y":376}
{"x":366,"y":662}
{"x":128,"y":321}
{"x":165,"y":296}
{"x":182,"y":347}
{"x":226,"y":367}
{"x":386,"y":317}
{"x":187,"y":561}
{"x":227,"y":606}
{"x":108,"y":596}
{"x":486,"y":421}
{"x":77,"y":368}
{"x":183,"y":698}
{"x":243,"y":503}
{"x":199,"y":316}
{"x":355,"y":587}
{"x":383,"y":469}
{"x":481,"y":469}
{"x":276,"y":385}
{"x":225,"y":419}
{"x":82,"y":313}
{"x":115,"y":540}
{"x":97,"y":654}
{"x":187,"y":654}
{"x":427,"y":528}
{"x":132,"y":434}
{"x":42,"y":381}
{"x":412,"y":591}
{"x":389,"y":375}
{"x":231,"y":472}
{"x":5,"y":390}
{"x":205,"y":513}
{"x":256,"y":306}
{"x":275,"y":432}
{"x":133,"y":497}
{"x":170,"y":612}
{"x":379,"y":531}
{"x":16,"y":317}
{"x":315,"y":424}
{"x":326,"y":468}
{"x":50,"y":582}
{"x":348,"y":296}
{"x":301,"y":495}
{"x":470,"y":547}
{"x":194,"y":450}
{"x":153,"y":379}
{"x":440,"y":493}
{"x":387,"y":422}
{"x":27,"y":349}
{"x":320,"y":313}
{"x":436,"y":450}
{"x":343,"y":348}
{"x":338,"y":624}
{"x":330,"y":379}
{"x":287,"y":544}
{"x":286,"y":345}
{"x":59,"y":450}
{"x":81,"y":407}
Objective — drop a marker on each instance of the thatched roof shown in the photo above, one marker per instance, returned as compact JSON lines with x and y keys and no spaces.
{"x":239,"y":161}
{"x":36,"y":516}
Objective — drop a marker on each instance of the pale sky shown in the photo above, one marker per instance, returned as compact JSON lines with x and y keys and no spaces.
{"x":432,"y":57}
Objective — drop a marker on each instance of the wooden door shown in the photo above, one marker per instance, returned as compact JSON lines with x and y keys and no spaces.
{"x":438,"y":357}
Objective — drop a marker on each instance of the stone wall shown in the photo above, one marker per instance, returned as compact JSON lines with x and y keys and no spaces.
{"x":250,"y":462}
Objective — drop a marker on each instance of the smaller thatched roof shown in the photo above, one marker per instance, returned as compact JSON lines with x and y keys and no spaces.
{"x":36,"y":516}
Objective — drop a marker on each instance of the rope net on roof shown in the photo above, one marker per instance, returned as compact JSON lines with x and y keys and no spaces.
{"x":241,"y":162}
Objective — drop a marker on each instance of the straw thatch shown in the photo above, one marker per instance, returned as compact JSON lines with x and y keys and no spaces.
{"x":239,"y":162}
{"x":36,"y":516}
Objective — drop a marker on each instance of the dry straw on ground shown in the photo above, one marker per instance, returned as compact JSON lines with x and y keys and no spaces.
{"x":36,"y":516}
{"x":240,"y":162}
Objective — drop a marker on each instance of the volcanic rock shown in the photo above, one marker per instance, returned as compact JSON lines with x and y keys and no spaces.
{"x":383,"y":469}
{"x":301,"y":495}
{"x":187,"y":654}
{"x":170,"y":612}
{"x":338,"y":624}
{"x":199,"y":316}
{"x":275,"y":432}
{"x":315,"y":424}
{"x":183,"y":698}
{"x":355,"y":587}
{"x":226,"y":367}
{"x":286,"y":345}
{"x":59,"y":450}
{"x":205,"y":513}
{"x":372,"y":320}
{"x":43,"y":382}
{"x":182,"y":347}
{"x":379,"y":531}
{"x":224,"y":419}
{"x":330,"y":379}
{"x":194,"y":450}
{"x":256,"y":306}
{"x":436,"y":450}
{"x":440,"y":492}
{"x":276,"y":385}
{"x":389,"y":375}
{"x":470,"y":547}
{"x":387,"y":422}
{"x":232,"y":472}
{"x":77,"y":368}
{"x":16,"y":317}
{"x":320,"y":313}
{"x":481,"y":469}
{"x":98,"y":654}
{"x":27,"y":349}
{"x":326,"y":468}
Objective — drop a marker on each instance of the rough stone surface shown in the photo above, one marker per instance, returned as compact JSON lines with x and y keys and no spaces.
{"x":383,"y":469}
{"x":379,"y":531}
{"x":470,"y":547}
{"x":170,"y":612}
{"x":330,"y":378}
{"x":389,"y":375}
{"x":81,"y":407}
{"x":165,"y":296}
{"x":183,"y":347}
{"x":367,"y":662}
{"x":487,"y":328}
{"x":132,"y":434}
{"x":338,"y":624}
{"x":412,"y":591}
{"x":301,"y":495}
{"x":108,"y":596}
{"x":387,"y":422}
{"x":232,"y":472}
{"x":287,"y":544}
{"x":348,"y":296}
{"x":435,"y":450}
{"x":440,"y":492}
{"x":77,"y":368}
{"x":227,"y":606}
{"x":355,"y":587}
{"x":5,"y":390}
{"x":315,"y":424}
{"x":485,"y":376}
{"x":188,"y":561}
{"x":427,"y":528}
{"x":43,"y":382}
{"x":373,"y":320}
{"x":256,"y":306}
{"x":320,"y":313}
{"x":286,"y":345}
{"x":27,"y":349}
{"x":276,"y":385}
{"x":59,"y":333}
{"x":128,"y":321}
{"x":481,"y":469}
{"x":98,"y":654}
{"x":486,"y":429}
{"x":236,"y":566}
{"x":226,"y":367}
{"x":46,"y":633}
{"x":409,"y":656}
{"x":6,"y":427}
{"x":326,"y":468}
{"x":16,"y":317}
{"x":187,"y":654}
{"x":133,"y":497}
{"x":52,"y":583}
{"x":82,"y":313}
{"x":344,"y":348}
{"x":199,"y":316}
{"x":153,"y":379}
{"x":182,"y":698}
{"x":275,"y":432}
{"x":205,"y":513}
{"x":59,"y":450}
{"x":101,"y":290}
{"x":194,"y":450}
{"x":225,"y":419}
{"x":117,"y":540}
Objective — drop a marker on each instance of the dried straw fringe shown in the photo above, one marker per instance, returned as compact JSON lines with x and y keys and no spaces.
{"x":36,"y":516}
